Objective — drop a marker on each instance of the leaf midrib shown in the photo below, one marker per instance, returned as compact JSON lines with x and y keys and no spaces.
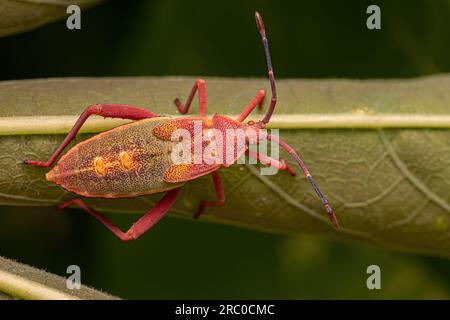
{"x":62,"y":124}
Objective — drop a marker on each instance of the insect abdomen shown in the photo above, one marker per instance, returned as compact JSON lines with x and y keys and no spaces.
{"x":124,"y":162}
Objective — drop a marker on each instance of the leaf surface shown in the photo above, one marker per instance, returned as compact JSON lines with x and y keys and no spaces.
{"x":378,"y":149}
{"x":21,"y":281}
{"x":22,"y":15}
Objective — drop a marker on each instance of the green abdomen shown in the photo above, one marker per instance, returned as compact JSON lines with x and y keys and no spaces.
{"x":127,"y":161}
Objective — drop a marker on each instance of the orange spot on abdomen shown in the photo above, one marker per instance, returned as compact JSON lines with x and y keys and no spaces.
{"x":125,"y":160}
{"x":99,"y":166}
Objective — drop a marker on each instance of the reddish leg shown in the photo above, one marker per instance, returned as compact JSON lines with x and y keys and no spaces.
{"x":280,"y":165}
{"x":199,"y":85}
{"x":256,"y":101}
{"x":148,"y":220}
{"x":219,"y":193}
{"x":105,"y":110}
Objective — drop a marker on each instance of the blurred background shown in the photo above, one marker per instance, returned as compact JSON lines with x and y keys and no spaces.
{"x":190,"y":259}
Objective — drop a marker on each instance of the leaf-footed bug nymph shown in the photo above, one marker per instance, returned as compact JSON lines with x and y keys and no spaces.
{"x":138,"y":158}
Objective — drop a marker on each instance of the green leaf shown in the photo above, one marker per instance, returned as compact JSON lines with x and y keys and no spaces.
{"x":23,"y":15}
{"x":24,"y":282}
{"x":378,"y":149}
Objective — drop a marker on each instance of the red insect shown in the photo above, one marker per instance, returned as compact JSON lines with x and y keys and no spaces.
{"x":134,"y":159}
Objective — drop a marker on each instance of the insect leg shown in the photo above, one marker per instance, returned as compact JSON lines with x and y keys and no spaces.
{"x":302,"y":165}
{"x":280,"y":165}
{"x":199,"y":85}
{"x":219,"y":193}
{"x":256,"y":101}
{"x":148,"y":220}
{"x":105,"y":110}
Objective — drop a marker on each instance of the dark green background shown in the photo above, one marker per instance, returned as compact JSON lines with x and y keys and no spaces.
{"x":191,"y":259}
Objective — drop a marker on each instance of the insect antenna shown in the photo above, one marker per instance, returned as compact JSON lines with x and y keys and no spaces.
{"x":302,"y":165}
{"x":266,"y":119}
{"x":273,"y":100}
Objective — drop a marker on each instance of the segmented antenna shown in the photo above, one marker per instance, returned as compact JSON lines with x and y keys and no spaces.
{"x":273,"y":100}
{"x":308,"y":175}
{"x":284,"y":145}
